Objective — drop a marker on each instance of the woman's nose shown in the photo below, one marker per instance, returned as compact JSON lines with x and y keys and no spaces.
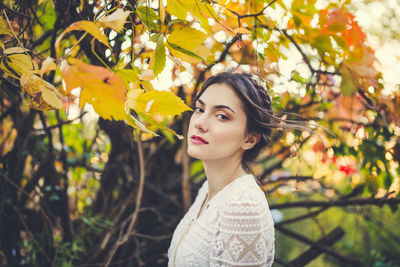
{"x":200,"y":122}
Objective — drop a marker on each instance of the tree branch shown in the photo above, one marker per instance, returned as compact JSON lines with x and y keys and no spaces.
{"x":124,"y":238}
{"x":338,"y":203}
{"x":326,"y":249}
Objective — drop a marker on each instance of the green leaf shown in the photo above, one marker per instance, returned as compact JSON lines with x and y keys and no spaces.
{"x":185,"y":51}
{"x":337,"y":26}
{"x":340,"y":42}
{"x":323,"y":43}
{"x":297,"y":20}
{"x":387,"y":179}
{"x":3,"y":27}
{"x":372,"y":184}
{"x":135,"y":123}
{"x":150,"y":120}
{"x":159,"y":56}
{"x":149,"y":18}
{"x":298,"y":78}
{"x":347,"y":86}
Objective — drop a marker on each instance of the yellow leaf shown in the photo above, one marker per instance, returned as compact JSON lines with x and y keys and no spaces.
{"x":207,"y":10}
{"x":115,"y":21}
{"x":2,"y":45}
{"x":30,"y":83}
{"x":202,"y":51}
{"x":7,"y":135}
{"x":81,"y":5}
{"x":83,"y":25}
{"x":156,"y":102}
{"x":128,"y":76}
{"x":242,"y":30}
{"x":21,"y":63}
{"x":15,"y":50}
{"x":50,"y":97}
{"x":7,"y":70}
{"x":131,"y":97}
{"x":182,"y":56}
{"x":48,"y":65}
{"x":101,"y":88}
{"x":3,"y":27}
{"x":177,"y":9}
{"x":187,"y":37}
{"x":161,"y":10}
{"x":135,"y":123}
{"x":43,"y":94}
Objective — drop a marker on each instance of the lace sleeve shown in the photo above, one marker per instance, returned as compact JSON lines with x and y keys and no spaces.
{"x":245,"y":236}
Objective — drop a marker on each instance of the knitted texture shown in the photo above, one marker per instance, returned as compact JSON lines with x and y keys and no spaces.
{"x":235,"y":229}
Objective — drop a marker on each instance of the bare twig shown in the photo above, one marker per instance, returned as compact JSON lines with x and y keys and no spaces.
{"x":338,"y":203}
{"x":124,"y":238}
{"x":302,"y":217}
{"x":31,"y":234}
{"x":61,"y":123}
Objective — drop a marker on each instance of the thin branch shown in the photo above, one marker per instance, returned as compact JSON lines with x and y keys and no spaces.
{"x":161,"y":237}
{"x":60,"y":123}
{"x":288,"y":178}
{"x":123,"y":239}
{"x":221,"y":58}
{"x":305,"y":58}
{"x":302,"y":217}
{"x":31,"y":234}
{"x":338,"y":203}
{"x":252,"y":15}
{"x":41,"y":39}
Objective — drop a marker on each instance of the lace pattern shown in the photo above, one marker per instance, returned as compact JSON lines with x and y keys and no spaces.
{"x":236,"y":230}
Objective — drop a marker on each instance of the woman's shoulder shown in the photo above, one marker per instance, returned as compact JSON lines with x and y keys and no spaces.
{"x":245,"y":192}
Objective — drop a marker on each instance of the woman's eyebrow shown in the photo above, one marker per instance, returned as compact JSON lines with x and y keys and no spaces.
{"x":217,"y":106}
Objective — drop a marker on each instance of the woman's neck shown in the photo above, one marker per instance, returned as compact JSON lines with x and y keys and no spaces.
{"x":220,"y":173}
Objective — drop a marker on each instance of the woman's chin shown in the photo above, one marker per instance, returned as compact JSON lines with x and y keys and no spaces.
{"x":195,"y":154}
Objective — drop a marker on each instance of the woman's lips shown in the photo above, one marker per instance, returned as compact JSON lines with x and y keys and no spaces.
{"x":198,"y":140}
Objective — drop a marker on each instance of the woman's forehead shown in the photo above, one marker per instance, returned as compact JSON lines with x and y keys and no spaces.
{"x":221,"y":94}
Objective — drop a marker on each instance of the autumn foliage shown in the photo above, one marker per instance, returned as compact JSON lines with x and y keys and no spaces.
{"x":92,"y":168}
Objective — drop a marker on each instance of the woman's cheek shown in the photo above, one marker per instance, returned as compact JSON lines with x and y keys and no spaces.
{"x":227,"y":132}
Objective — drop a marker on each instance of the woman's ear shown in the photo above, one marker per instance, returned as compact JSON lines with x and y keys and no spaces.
{"x":251,"y":140}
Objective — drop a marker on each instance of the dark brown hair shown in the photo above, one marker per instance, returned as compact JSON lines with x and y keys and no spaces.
{"x":257,"y":105}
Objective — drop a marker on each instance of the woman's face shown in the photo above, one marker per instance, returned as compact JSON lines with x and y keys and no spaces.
{"x":217,"y":128}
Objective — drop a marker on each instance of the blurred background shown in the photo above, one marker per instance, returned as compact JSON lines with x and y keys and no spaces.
{"x":93,"y":163}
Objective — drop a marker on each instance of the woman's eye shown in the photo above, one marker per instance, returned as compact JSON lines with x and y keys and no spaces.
{"x":198,"y":109}
{"x":222,"y":117}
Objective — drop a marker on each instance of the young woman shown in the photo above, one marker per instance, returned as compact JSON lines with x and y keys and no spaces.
{"x":229,"y":223}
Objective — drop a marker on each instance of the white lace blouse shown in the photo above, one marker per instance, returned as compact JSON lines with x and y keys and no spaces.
{"x":235,"y":229}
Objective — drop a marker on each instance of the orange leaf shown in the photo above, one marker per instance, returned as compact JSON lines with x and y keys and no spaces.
{"x":101,"y":88}
{"x":242,"y":30}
